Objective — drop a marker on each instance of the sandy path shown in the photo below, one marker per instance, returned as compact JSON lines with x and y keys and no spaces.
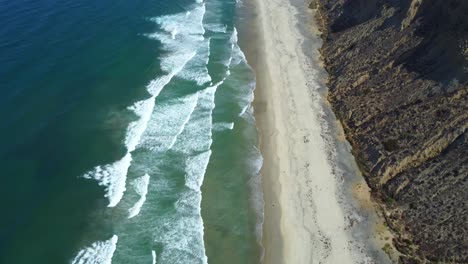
{"x":304,"y":222}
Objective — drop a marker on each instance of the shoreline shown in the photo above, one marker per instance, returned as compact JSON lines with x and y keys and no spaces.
{"x":307,"y":219}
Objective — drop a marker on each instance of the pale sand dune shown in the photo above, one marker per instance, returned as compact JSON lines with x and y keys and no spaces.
{"x":304,"y":220}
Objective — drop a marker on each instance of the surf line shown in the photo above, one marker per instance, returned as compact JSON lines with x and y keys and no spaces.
{"x":99,"y":252}
{"x":113,"y":176}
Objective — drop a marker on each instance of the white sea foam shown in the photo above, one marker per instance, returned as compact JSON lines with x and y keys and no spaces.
{"x":135,"y":129}
{"x":244,"y":110}
{"x":198,"y":135}
{"x":196,"y":69}
{"x":183,"y":33}
{"x":237,"y":55}
{"x":153,"y":254}
{"x":187,"y":26}
{"x":172,"y":64}
{"x":223,"y":126}
{"x":216,"y":28}
{"x":174,"y":33}
{"x":182,"y":127}
{"x":112,"y":177}
{"x":195,"y":170}
{"x":238,"y":62}
{"x":234,"y":36}
{"x":99,"y":252}
{"x":188,"y":23}
{"x":167,"y":122}
{"x":233,"y":43}
{"x":141,"y":188}
{"x":182,"y":235}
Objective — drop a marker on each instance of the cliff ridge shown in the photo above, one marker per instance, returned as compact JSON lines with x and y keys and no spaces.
{"x":398,"y":82}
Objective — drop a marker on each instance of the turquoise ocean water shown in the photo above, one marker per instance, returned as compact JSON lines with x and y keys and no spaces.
{"x":126,"y":134}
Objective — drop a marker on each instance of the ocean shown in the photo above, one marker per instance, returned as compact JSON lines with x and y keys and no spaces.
{"x":127,"y":134}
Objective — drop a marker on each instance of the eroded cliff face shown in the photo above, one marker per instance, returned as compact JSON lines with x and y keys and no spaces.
{"x":399,"y":84}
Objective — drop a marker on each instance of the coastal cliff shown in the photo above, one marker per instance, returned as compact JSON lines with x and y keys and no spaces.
{"x":398,"y":82}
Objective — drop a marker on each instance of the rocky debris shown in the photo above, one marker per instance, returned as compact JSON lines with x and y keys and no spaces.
{"x":398,"y":82}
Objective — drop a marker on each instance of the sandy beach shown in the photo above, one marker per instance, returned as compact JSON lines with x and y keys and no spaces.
{"x":306,"y":219}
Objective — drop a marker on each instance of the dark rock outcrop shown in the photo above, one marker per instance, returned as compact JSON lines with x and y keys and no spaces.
{"x":398,"y":81}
